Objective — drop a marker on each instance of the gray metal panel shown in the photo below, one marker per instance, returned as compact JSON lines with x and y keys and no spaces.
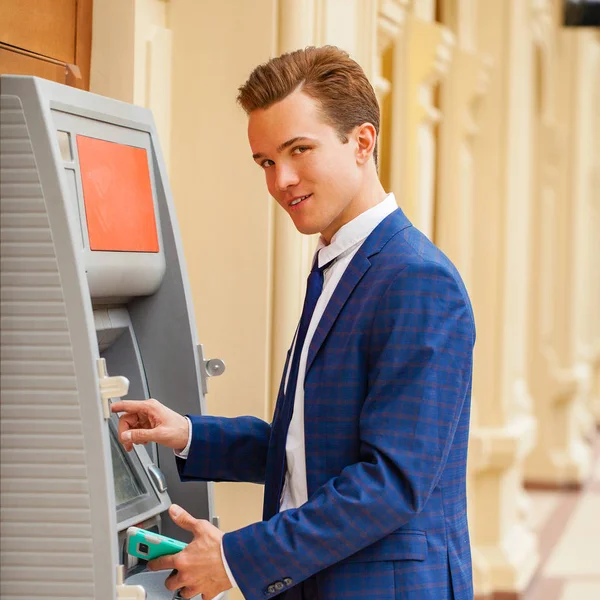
{"x":154,"y":584}
{"x":112,"y":274}
{"x":122,"y":356}
{"x":58,"y":538}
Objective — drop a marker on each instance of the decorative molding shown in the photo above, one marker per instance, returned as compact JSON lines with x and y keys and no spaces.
{"x":544,"y":35}
{"x":382,"y":86}
{"x":501,"y":448}
{"x":454,"y":227}
{"x":391,"y":18}
{"x":507,"y":552}
{"x":566,"y":382}
{"x":477,"y":70}
{"x":428,"y":55}
{"x":541,"y":18}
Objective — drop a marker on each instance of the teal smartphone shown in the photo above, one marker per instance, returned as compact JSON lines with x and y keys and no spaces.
{"x":149,"y":545}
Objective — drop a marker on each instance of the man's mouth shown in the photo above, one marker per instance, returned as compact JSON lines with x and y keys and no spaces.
{"x":298,"y":200}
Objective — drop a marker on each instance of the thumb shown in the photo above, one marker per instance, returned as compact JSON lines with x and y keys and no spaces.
{"x":182,"y":518}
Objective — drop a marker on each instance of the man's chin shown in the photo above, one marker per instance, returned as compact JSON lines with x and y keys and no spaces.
{"x":307,"y":228}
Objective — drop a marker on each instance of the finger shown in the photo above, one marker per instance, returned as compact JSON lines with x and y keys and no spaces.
{"x":190,"y":592}
{"x":122,"y":427}
{"x":162,"y":562}
{"x":182,"y":518}
{"x":126,"y":422}
{"x":130,"y":406}
{"x":140,"y":436}
{"x":173,"y":581}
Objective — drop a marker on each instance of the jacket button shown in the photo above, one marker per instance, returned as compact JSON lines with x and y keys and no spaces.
{"x":287,"y":581}
{"x":279,"y":586}
{"x":271,"y":589}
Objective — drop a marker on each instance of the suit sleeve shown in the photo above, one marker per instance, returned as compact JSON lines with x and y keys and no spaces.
{"x":420,"y":361}
{"x":226,"y":449}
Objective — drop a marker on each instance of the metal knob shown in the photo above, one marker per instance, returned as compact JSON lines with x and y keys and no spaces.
{"x":209,"y":368}
{"x":214,"y":367}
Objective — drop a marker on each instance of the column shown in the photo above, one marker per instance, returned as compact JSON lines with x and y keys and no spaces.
{"x":462,"y":94}
{"x":559,"y":374}
{"x":389,"y":84}
{"x":585,"y":237}
{"x":419,"y":66}
{"x":595,"y":240}
{"x":505,"y":429}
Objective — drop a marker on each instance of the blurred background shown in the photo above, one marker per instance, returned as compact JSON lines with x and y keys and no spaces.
{"x":490,"y":141}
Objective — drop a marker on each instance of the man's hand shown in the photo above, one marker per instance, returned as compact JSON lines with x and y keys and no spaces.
{"x":150,"y":421}
{"x":199,"y":566}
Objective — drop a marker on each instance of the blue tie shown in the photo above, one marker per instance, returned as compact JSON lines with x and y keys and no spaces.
{"x":314,"y":287}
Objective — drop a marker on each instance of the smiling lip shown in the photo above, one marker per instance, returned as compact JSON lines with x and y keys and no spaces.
{"x":295,"y":206}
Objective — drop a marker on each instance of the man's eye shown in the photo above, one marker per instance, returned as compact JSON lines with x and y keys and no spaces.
{"x":266,"y":163}
{"x":300,"y":149}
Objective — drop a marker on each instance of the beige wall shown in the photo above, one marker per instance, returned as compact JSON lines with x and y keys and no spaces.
{"x":478,"y":127}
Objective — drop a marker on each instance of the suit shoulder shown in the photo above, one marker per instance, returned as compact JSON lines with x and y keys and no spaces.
{"x":410,"y":247}
{"x":410,"y":253}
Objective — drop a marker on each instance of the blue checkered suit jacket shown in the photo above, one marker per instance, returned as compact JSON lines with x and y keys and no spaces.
{"x":387,"y":399}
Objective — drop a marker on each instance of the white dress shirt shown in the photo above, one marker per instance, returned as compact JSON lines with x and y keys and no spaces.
{"x":342,"y":248}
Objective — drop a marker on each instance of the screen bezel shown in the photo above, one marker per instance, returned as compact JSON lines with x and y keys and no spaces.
{"x":140,"y":505}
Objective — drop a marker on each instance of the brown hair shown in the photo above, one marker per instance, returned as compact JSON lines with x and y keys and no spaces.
{"x":326,"y":74}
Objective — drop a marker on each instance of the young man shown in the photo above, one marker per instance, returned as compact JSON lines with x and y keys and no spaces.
{"x":364,"y":463}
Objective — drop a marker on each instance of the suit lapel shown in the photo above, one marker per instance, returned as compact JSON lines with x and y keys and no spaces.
{"x":353,"y":274}
{"x":355,"y":271}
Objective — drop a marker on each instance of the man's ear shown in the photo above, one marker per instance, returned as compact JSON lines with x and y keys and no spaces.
{"x":366,"y":138}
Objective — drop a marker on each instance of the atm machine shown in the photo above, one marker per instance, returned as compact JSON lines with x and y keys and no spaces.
{"x":95,"y":305}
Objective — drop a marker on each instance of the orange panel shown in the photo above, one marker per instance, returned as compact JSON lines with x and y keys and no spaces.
{"x":117,"y":194}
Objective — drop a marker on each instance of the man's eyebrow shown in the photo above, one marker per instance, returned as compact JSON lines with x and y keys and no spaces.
{"x":284,"y":145}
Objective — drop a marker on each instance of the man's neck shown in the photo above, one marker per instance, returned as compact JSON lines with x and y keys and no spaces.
{"x":371,"y":194}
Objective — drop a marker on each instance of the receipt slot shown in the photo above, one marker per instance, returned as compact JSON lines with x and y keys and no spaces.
{"x":95,"y":305}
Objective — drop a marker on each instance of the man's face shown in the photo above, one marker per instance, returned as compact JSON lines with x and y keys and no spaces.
{"x":311,"y":173}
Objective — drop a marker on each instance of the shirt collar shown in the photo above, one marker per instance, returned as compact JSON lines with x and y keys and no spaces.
{"x":356,"y":230}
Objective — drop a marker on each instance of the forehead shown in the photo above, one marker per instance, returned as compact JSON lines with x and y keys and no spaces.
{"x":296,"y":115}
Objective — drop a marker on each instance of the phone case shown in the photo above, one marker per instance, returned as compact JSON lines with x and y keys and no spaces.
{"x":148,"y":545}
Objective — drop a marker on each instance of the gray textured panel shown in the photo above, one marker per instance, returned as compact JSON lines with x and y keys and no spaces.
{"x":46,"y":546}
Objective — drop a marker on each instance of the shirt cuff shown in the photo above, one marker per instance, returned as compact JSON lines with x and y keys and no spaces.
{"x":227,"y":569}
{"x":184,"y":453}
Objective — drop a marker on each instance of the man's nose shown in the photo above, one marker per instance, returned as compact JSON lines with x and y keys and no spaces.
{"x":285,"y":177}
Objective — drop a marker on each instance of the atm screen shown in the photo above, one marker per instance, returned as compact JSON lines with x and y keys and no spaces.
{"x":135,"y":495}
{"x":117,"y":194}
{"x":127,"y":485}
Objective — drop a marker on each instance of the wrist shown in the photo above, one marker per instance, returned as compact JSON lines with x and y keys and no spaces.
{"x":183,"y":435}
